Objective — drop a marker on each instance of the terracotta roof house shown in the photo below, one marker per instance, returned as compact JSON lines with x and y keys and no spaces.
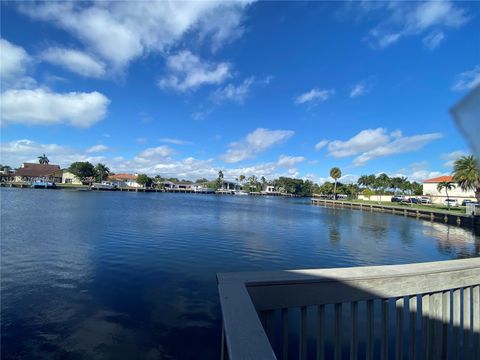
{"x":430,"y":189}
{"x":122,"y":180}
{"x":38,"y":172}
{"x":439,"y":179}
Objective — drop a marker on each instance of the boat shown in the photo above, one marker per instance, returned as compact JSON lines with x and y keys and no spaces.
{"x":43,"y":185}
{"x":104,"y":185}
{"x":204,"y":190}
{"x":240,"y":192}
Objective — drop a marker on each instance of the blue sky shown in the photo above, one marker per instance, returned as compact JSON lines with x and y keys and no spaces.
{"x":267,"y":88}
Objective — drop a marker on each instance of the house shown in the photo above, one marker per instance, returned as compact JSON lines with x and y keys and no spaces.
{"x":171,"y":186}
{"x":69,"y":178}
{"x":230,"y":185}
{"x":430,"y":189}
{"x":270,"y":189}
{"x":38,"y":172}
{"x":124,"y":180}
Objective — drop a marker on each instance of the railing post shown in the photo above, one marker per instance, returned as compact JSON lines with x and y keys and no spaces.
{"x":321,"y":333}
{"x":370,"y":334}
{"x":466,"y":322}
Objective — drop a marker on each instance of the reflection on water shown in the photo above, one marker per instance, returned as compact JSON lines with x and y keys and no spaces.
{"x":127,"y":275}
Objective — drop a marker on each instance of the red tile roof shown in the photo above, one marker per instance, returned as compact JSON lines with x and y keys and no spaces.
{"x":123,"y":177}
{"x":33,"y":170}
{"x":439,"y":179}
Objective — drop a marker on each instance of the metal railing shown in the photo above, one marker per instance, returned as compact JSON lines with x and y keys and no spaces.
{"x":426,"y":310}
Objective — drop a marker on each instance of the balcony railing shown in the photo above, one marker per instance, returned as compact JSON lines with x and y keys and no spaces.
{"x":424,"y":311}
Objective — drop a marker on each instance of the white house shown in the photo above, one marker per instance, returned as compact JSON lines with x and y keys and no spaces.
{"x":124,"y":180}
{"x":430,"y":189}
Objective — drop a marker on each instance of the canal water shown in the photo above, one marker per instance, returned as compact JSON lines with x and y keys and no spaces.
{"x":132,"y":275}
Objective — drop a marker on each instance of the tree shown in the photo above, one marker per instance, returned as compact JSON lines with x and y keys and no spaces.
{"x":219,"y":181}
{"x":264,"y":182}
{"x":101,"y":171}
{"x":83,"y":170}
{"x":383,"y":181}
{"x":241,"y":178}
{"x":368,"y":193}
{"x":447,"y":185}
{"x":144,"y":180}
{"x":466,"y":172}
{"x":335,"y":174}
{"x":43,"y":159}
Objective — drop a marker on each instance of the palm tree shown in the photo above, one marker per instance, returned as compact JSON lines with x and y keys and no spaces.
{"x":101,"y":170}
{"x":43,"y":159}
{"x":466,"y":172}
{"x":447,"y":185}
{"x":220,"y":180}
{"x":241,"y":178}
{"x":335,"y":174}
{"x":363,"y":181}
{"x":264,"y":182}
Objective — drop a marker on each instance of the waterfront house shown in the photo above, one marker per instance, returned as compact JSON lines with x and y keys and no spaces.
{"x":171,"y":186}
{"x":430,"y":189}
{"x":230,"y":185}
{"x":124,"y":180}
{"x":69,"y":178}
{"x":38,"y":172}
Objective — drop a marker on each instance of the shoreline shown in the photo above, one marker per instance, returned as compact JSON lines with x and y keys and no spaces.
{"x":449,"y":218}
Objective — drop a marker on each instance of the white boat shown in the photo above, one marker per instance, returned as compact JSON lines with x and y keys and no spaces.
{"x":104,"y":185}
{"x":240,"y":192}
{"x":204,"y":190}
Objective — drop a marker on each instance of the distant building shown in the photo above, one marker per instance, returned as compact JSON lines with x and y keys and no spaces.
{"x":38,"y":172}
{"x":430,"y":189}
{"x":69,"y":178}
{"x":230,"y":185}
{"x":170,"y":185}
{"x":270,"y":189}
{"x":124,"y":180}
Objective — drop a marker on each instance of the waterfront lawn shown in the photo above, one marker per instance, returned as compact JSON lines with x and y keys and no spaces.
{"x":460,"y":210}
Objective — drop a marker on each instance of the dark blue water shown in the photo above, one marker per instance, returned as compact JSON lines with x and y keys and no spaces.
{"x":132,"y":275}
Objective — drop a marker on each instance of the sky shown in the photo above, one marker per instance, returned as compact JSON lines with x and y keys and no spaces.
{"x":186,"y":89}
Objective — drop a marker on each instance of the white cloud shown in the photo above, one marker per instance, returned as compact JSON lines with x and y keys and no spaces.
{"x":289,"y":161}
{"x":96,"y":149}
{"x":364,"y":141}
{"x":237,"y":93}
{"x":17,"y":152}
{"x":76,"y":61}
{"x":187,"y":72}
{"x":14,"y":61}
{"x":321,"y":144}
{"x":467,"y":80}
{"x":360,"y":89}
{"x":374,"y":143}
{"x":418,"y":171}
{"x":43,"y":107}
{"x":141,"y":140}
{"x":175,"y":141}
{"x":159,"y":152}
{"x":451,"y":157}
{"x":254,"y":143}
{"x":432,"y":40}
{"x":314,"y":96}
{"x":120,"y":32}
{"x":401,"y":19}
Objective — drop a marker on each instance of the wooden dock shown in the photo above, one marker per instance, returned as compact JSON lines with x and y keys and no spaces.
{"x":461,"y":220}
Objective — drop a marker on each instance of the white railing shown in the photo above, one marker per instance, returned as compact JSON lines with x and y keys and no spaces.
{"x":425,"y":311}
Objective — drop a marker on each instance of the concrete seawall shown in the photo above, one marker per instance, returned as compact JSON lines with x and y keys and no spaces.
{"x":461,"y":220}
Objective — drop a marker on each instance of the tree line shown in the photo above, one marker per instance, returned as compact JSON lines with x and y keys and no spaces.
{"x":466,"y":174}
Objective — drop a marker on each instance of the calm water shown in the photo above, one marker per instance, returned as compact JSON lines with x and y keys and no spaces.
{"x":132,"y":275}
